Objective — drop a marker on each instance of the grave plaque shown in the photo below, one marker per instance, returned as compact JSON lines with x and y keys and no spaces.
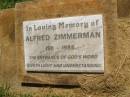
{"x":68,"y":44}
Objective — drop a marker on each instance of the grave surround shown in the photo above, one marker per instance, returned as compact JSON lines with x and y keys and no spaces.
{"x":46,"y":10}
{"x":116,"y":48}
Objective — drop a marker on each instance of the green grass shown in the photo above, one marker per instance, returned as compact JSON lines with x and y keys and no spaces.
{"x":7,"y":91}
{"x":4,"y":4}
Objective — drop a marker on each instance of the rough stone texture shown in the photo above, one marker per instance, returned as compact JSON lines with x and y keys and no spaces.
{"x":8,"y":68}
{"x":123,"y":8}
{"x":63,"y":8}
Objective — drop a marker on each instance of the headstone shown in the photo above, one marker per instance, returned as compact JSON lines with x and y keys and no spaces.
{"x":48,"y":9}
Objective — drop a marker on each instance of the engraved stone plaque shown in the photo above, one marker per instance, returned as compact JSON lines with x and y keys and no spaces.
{"x":68,"y":44}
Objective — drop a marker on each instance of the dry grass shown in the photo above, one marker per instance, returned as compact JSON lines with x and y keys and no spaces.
{"x":117,"y":83}
{"x":7,"y":91}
